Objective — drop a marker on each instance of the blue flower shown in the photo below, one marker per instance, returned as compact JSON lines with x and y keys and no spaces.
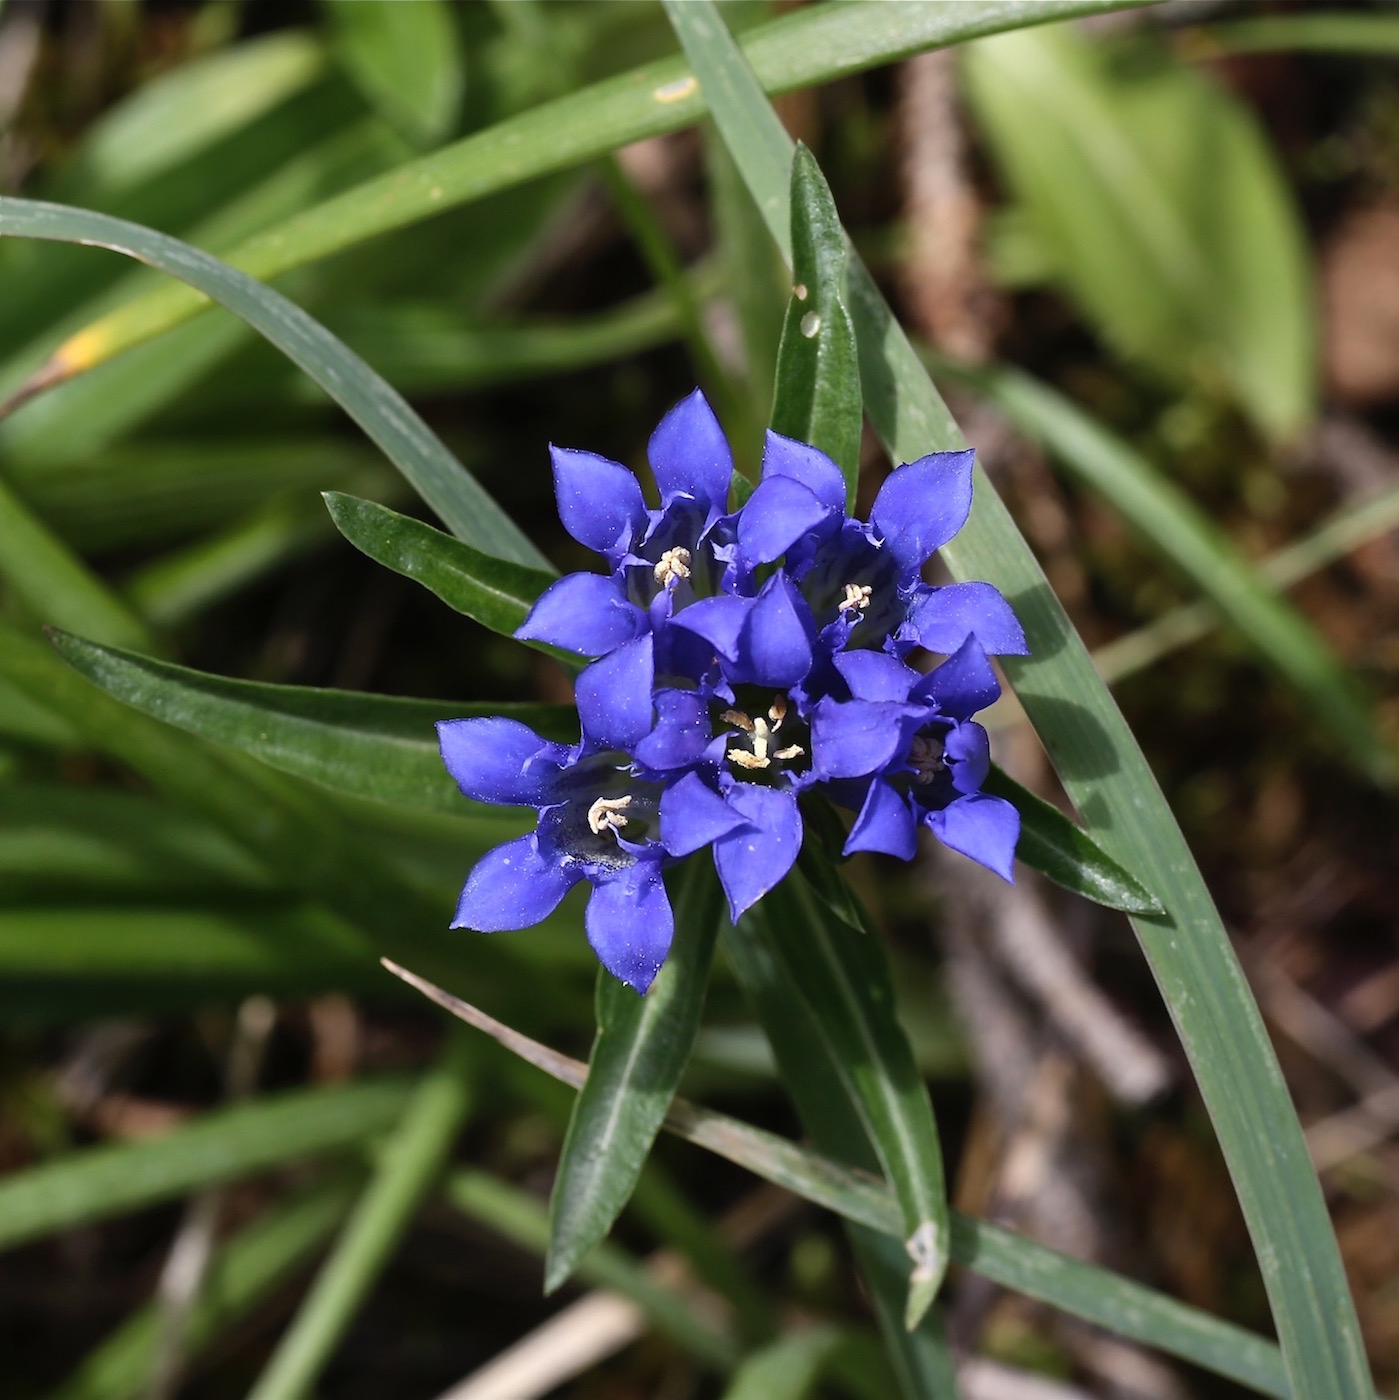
{"x":928,"y":757}
{"x":587,"y":799}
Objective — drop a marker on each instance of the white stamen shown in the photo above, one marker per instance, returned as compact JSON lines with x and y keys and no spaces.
{"x":758,"y":728}
{"x":791,"y":751}
{"x":672,"y":565}
{"x":857,"y":597}
{"x":925,"y":757}
{"x":606,"y":814}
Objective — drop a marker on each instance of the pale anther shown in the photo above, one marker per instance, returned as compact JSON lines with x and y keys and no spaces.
{"x":857,"y":597}
{"x":925,"y":757}
{"x":739,"y":720}
{"x":791,"y":751}
{"x":606,"y":814}
{"x":758,"y":728}
{"x":777,"y":711}
{"x":673,"y":564}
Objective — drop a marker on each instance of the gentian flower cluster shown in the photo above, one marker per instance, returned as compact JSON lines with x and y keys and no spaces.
{"x":744,"y":662}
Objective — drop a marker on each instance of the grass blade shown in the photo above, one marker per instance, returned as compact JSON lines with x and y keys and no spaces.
{"x":376,"y":406}
{"x":377,"y":746}
{"x":815,"y":45}
{"x":642,"y":1047}
{"x":841,"y":974}
{"x":817,"y":399}
{"x":1349,"y":31}
{"x":222,"y":1145}
{"x":1083,"y":1290}
{"x":1105,"y":774}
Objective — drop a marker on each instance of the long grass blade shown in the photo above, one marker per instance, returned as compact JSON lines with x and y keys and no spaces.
{"x":1105,"y":775}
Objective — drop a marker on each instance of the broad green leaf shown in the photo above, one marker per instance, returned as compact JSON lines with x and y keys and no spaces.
{"x":1062,"y":851}
{"x":245,"y":1271}
{"x":841,"y":973}
{"x":1162,"y":210}
{"x":815,"y":45}
{"x":406,"y":59}
{"x":817,"y":398}
{"x":1173,"y":525}
{"x":406,"y":1169}
{"x":1106,"y":776}
{"x":377,"y":407}
{"x":225,"y":1144}
{"x":1085,"y":1291}
{"x":641,"y":1049}
{"x":181,"y":113}
{"x":382,"y":747}
{"x":525,"y":1221}
{"x":494,"y":592}
{"x":55,"y":584}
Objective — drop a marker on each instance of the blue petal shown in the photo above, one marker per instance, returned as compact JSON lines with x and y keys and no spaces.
{"x":694,"y":815}
{"x":586,"y":613}
{"x":784,"y":456}
{"x":963,"y":684}
{"x":923,"y":504}
{"x":873,"y":675}
{"x":682,"y":731}
{"x":943,"y":618}
{"x":600,"y":501}
{"x":755,"y":857}
{"x":853,"y":738}
{"x":719,"y":620}
{"x":778,"y":513}
{"x":968,"y":753}
{"x":886,"y":823}
{"x":513,"y":886}
{"x":775,"y":643}
{"x":614,"y":695}
{"x":499,"y":760}
{"x":984,"y":828}
{"x":690,"y":455}
{"x":630,"y":924}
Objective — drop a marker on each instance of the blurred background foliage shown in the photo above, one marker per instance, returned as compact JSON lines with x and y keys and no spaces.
{"x":1155,"y":260}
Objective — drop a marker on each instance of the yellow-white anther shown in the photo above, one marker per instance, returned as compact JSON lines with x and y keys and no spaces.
{"x":673,"y":564}
{"x":857,"y":597}
{"x":758,"y":728}
{"x":925,"y":757}
{"x":777,"y":711}
{"x":791,"y":751}
{"x":606,"y":814}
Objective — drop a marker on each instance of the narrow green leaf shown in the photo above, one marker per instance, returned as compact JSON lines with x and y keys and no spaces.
{"x":1083,"y":1290}
{"x":1063,"y":852}
{"x":406,"y":59}
{"x":55,"y":584}
{"x":1172,"y":524}
{"x":1321,"y":31}
{"x":382,"y":747}
{"x":407,"y":1168}
{"x":249,"y":1267}
{"x":497,"y":594}
{"x":525,"y":1221}
{"x":642,"y":1047}
{"x":817,"y":395}
{"x":790,"y":1367}
{"x":376,"y":406}
{"x":814,"y":45}
{"x":1105,"y":774}
{"x":842,"y":975}
{"x":225,"y":1144}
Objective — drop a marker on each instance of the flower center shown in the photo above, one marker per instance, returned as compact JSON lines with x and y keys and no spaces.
{"x":672,"y":566}
{"x":925,"y":758}
{"x":606,"y":814}
{"x":761,"y":732}
{"x":857,"y":597}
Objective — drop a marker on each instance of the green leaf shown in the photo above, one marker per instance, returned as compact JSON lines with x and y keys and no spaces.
{"x":1173,"y":525}
{"x":250,"y":1266}
{"x":817,"y":398}
{"x":790,"y":1367}
{"x":1162,"y":210}
{"x":1063,"y":852}
{"x":642,"y":1047}
{"x":494,"y":592}
{"x":841,"y":973}
{"x":406,"y":59}
{"x":1322,"y":31}
{"x":1106,"y":776}
{"x":376,"y":406}
{"x":1083,"y":1290}
{"x":814,"y":45}
{"x":407,"y":1168}
{"x":524,"y":1221}
{"x":382,"y":747}
{"x":225,"y":1144}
